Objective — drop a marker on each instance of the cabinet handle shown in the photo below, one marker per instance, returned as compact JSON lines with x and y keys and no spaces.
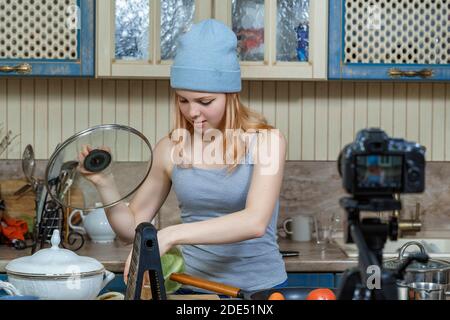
{"x":424,"y":73}
{"x":21,"y":68}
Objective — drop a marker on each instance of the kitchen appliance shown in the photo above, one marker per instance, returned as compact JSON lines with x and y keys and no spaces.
{"x":57,"y":274}
{"x":432,"y":271}
{"x":145,"y":259}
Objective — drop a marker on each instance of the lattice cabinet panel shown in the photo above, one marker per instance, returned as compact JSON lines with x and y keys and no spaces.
{"x":40,"y":37}
{"x":403,"y":39}
{"x":38,"y":29}
{"x":401,"y":31}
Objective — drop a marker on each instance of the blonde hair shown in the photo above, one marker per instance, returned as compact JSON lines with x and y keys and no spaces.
{"x":237,"y":116}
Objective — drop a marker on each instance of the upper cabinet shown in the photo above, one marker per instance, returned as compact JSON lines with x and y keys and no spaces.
{"x":137,"y":38}
{"x":47,"y":38}
{"x":395,"y":40}
{"x":278,"y":39}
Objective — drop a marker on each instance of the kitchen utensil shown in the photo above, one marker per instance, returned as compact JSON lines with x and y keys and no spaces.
{"x":288,"y":253}
{"x":434,"y":271}
{"x":292,"y":293}
{"x":426,"y":291}
{"x":58,"y":274}
{"x":95,"y":224}
{"x":298,"y":227}
{"x":145,"y":258}
{"x":110,"y":144}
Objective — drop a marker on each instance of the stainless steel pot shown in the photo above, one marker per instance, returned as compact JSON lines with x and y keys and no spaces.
{"x":426,"y":291}
{"x":434,"y":271}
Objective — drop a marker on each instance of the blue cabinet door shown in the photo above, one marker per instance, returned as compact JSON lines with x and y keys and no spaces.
{"x":314,"y":280}
{"x":61,"y":45}
{"x":388,"y":41}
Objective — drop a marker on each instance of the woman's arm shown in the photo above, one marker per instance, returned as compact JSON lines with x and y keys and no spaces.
{"x":146,"y":202}
{"x":246,"y":224}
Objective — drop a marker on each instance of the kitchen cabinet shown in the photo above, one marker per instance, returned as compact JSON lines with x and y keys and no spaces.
{"x":389,"y":40}
{"x":278,"y":39}
{"x":47,"y":38}
{"x":137,"y":39}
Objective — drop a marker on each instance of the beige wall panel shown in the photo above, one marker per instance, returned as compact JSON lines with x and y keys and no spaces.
{"x":373,"y":105}
{"x":334,"y":119}
{"x":162,"y":109}
{"x":108,"y":101}
{"x":54,"y":114}
{"x":348,"y":112}
{"x":41,"y":119}
{"x":14,"y":117}
{"x":3,"y":113}
{"x":400,"y":110}
{"x":412,"y":112}
{"x":68,"y":108}
{"x":438,"y":129}
{"x":149,"y":111}
{"x":447,"y":122}
{"x":269,"y":101}
{"x":308,"y":121}
{"x":426,"y":117}
{"x":82,"y":107}
{"x":95,"y":103}
{"x":26,"y":113}
{"x":295,"y":121}
{"x":256,"y":100}
{"x":321,"y":121}
{"x":282,"y":109}
{"x":135,"y":118}
{"x":122,"y":117}
{"x":360,"y":106}
{"x":387,"y":108}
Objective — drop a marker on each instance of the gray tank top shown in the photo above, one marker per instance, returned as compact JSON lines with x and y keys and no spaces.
{"x":208,"y":193}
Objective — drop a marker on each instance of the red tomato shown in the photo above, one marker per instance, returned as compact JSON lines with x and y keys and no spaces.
{"x":276,"y":296}
{"x":321,"y":294}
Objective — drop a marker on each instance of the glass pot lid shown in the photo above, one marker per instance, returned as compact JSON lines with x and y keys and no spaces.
{"x":415,"y":266}
{"x":115,"y":153}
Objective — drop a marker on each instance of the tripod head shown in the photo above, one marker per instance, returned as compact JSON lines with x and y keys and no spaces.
{"x":370,"y":236}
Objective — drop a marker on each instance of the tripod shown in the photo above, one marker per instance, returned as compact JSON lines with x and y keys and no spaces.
{"x":370,"y":235}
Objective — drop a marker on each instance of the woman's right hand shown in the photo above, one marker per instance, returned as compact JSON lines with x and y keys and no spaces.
{"x":97,"y":178}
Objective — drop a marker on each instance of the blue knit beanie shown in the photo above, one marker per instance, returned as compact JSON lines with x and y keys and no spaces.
{"x":206,"y":59}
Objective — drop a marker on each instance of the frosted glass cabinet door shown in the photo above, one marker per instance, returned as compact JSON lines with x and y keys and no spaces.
{"x":293,"y":30}
{"x":248,"y":25}
{"x":278,"y":39}
{"x":132,"y":21}
{"x":47,"y":38}
{"x":145,"y":34}
{"x":395,"y":40}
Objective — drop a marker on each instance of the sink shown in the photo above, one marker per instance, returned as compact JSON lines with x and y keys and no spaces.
{"x":436,"y":248}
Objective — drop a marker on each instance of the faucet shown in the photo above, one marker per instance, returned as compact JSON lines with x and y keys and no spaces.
{"x":408,"y":226}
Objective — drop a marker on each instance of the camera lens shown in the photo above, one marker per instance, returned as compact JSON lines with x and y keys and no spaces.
{"x":413,"y":174}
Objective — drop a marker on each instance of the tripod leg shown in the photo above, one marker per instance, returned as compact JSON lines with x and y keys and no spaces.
{"x":351,"y":281}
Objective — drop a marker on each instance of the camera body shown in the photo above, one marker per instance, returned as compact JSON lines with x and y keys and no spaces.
{"x":376,"y":165}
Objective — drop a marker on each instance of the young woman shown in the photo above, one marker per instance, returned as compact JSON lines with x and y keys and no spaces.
{"x":229,"y":200}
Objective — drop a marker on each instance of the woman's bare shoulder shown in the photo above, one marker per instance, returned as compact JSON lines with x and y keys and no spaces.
{"x":162,"y":154}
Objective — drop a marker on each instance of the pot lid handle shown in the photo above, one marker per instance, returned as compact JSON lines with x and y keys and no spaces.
{"x":411,"y":243}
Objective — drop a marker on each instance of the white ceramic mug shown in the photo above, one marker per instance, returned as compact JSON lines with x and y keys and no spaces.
{"x":298,"y":227}
{"x":95,"y":224}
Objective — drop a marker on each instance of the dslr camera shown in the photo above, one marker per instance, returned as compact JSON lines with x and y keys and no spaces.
{"x":376,"y":165}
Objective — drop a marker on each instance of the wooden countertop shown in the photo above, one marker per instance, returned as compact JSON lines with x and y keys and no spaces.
{"x":113,"y":256}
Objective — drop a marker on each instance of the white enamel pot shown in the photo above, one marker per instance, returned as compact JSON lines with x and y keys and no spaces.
{"x":58,"y":274}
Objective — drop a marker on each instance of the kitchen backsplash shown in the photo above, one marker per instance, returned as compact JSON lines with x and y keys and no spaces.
{"x":310,"y":187}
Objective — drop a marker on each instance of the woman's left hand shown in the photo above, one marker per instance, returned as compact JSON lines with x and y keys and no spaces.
{"x":165,"y":241}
